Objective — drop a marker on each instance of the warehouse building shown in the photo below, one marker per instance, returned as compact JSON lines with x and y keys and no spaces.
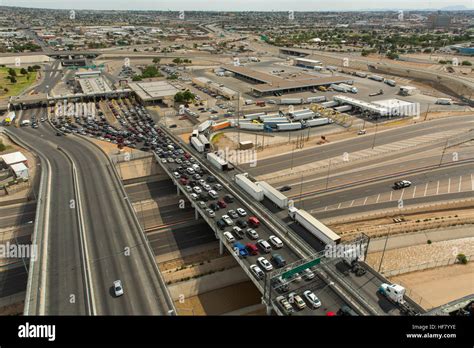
{"x":155,"y":92}
{"x":266,"y":84}
{"x":215,"y":87}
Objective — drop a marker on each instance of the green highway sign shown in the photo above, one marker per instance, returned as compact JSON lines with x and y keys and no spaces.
{"x":301,"y":268}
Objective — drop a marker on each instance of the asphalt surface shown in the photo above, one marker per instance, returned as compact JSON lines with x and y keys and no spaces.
{"x":17,"y":215}
{"x":64,"y":274}
{"x":13,"y":281}
{"x":327,"y":151}
{"x":109,"y":229}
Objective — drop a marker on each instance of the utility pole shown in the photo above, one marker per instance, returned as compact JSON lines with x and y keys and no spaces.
{"x":375,"y":134}
{"x":327,"y":178}
{"x":383,"y":252}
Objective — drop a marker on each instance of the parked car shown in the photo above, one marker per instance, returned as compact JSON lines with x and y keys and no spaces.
{"x":296,"y":300}
{"x":312,"y":299}
{"x":267,"y":266}
{"x":241,"y":212}
{"x":278,"y":260}
{"x":275,"y":242}
{"x":257,"y":271}
{"x":229,"y":237}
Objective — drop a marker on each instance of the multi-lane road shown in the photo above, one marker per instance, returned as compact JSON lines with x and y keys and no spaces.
{"x":90,"y":250}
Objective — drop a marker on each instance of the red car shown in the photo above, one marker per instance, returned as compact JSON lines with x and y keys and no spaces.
{"x":184,"y":181}
{"x":253,"y":221}
{"x":252,"y":248}
{"x":221,"y":203}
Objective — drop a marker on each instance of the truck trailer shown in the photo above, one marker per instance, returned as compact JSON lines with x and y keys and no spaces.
{"x":288,"y":126}
{"x":280,"y":200}
{"x":197,"y":144}
{"x":317,"y":122}
{"x":249,"y":186}
{"x":314,"y":226}
{"x":291,"y":101}
{"x":203,"y":139}
{"x":217,"y":161}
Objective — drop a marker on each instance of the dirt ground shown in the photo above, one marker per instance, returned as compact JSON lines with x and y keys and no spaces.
{"x":441,"y":285}
{"x":220,"y":301}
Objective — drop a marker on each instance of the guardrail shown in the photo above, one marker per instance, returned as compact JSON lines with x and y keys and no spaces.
{"x":164,"y":288}
{"x":34,"y":288}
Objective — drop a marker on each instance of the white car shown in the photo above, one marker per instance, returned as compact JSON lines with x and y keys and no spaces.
{"x":194,"y":196}
{"x":308,"y":274}
{"x":257,"y":271}
{"x":312,"y":299}
{"x":241,"y":212}
{"x":176,"y":175}
{"x":227,"y":220}
{"x":252,"y":233}
{"x":202,"y":182}
{"x":210,"y":212}
{"x":118,"y":289}
{"x":189,"y":188}
{"x":267,"y":266}
{"x":229,"y":237}
{"x":207,"y":187}
{"x":197,"y":189}
{"x":213,"y":194}
{"x":218,"y":187}
{"x":276,"y":242}
{"x":202,"y":204}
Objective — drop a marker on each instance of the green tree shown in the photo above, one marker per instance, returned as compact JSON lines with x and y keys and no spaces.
{"x":462,"y":259}
{"x":23,"y":71}
{"x":466,"y":63}
{"x":156,"y":60}
{"x":12,"y":72}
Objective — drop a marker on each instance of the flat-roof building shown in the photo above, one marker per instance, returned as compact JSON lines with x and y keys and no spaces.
{"x":14,"y":158}
{"x":154,"y":92}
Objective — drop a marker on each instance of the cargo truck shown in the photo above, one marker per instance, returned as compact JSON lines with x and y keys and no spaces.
{"x":303,"y":116}
{"x":329,"y":104}
{"x":319,"y":99}
{"x":220,"y":125}
{"x":349,"y":88}
{"x":254,"y":116}
{"x":314,"y":226}
{"x":251,"y":126}
{"x":360,"y":74}
{"x":248,"y":186}
{"x":289,"y":126}
{"x":376,"y":78}
{"x":391,"y":83}
{"x":343,"y":108}
{"x":204,"y":126}
{"x":10,"y":118}
{"x":396,"y":294}
{"x":197,"y":144}
{"x":202,"y":138}
{"x":444,"y":101}
{"x":291,"y":101}
{"x":317,"y":122}
{"x":217,"y":162}
{"x":280,"y":200}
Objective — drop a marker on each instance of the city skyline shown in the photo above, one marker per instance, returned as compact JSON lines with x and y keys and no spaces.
{"x":244,"y":5}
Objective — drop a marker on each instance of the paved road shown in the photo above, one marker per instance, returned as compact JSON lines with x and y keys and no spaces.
{"x":17,"y":215}
{"x":64,"y":274}
{"x":274,"y":164}
{"x":109,"y":229}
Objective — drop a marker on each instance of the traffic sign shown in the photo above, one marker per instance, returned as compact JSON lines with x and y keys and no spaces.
{"x":301,"y":268}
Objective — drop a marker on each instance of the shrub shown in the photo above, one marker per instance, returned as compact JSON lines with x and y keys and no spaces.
{"x":462,"y":259}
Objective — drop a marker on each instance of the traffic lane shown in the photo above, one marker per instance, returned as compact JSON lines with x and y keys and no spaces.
{"x":17,"y":215}
{"x":361,"y":171}
{"x":13,"y":281}
{"x":368,"y":285}
{"x":264,"y":233}
{"x":179,"y":238}
{"x":110,"y":230}
{"x":64,"y":278}
{"x":357,"y":144}
{"x":379,"y":187}
{"x":156,"y":190}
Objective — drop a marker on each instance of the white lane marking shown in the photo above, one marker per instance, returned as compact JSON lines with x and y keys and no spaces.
{"x":414,"y":192}
{"x":401,"y":196}
{"x":326,"y":208}
{"x":426,"y":189}
{"x":339,"y":206}
{"x":437,"y":188}
{"x":391,"y":195}
{"x":449,"y":185}
{"x":378,"y":197}
{"x":365,"y":201}
{"x":472,"y":182}
{"x":352,"y":203}
{"x":460,"y":182}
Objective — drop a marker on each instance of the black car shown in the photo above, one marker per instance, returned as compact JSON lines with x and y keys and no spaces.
{"x":241,"y":223}
{"x":229,"y":198}
{"x":346,"y":311}
{"x":221,"y":224}
{"x":210,"y":178}
{"x":285,"y":188}
{"x":214,"y":206}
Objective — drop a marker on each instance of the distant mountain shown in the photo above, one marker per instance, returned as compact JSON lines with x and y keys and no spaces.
{"x":454,"y":8}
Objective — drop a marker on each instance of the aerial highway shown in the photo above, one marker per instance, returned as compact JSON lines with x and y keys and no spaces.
{"x":112,"y":246}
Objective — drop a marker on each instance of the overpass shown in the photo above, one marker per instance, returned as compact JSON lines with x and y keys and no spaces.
{"x":332,"y":287}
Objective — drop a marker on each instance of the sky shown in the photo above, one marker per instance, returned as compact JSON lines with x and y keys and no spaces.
{"x":239,"y":5}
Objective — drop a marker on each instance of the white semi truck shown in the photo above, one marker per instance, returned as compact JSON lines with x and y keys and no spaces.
{"x":314,"y":226}
{"x":280,"y":200}
{"x":249,"y":186}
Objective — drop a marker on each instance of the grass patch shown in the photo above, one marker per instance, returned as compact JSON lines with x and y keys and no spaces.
{"x":216,"y":137}
{"x":15,"y":88}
